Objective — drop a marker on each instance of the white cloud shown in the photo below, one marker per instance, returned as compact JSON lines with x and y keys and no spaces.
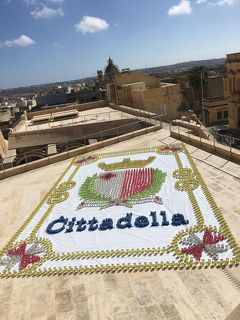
{"x":184,"y":7}
{"x":56,"y":1}
{"x":30,"y":1}
{"x":222,"y":3}
{"x":34,"y":2}
{"x":57,"y":45}
{"x":219,"y":3}
{"x":91,"y":25}
{"x":46,"y":12}
{"x":22,"y":41}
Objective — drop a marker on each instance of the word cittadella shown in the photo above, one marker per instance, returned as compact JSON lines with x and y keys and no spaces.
{"x":66,"y":225}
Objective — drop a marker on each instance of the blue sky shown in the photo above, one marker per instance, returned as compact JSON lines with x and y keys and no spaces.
{"x":55,"y":40}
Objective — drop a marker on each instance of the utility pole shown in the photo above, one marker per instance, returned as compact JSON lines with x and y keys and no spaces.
{"x":82,"y":73}
{"x":201,"y":90}
{"x":202,"y":86}
{"x":115,"y":87}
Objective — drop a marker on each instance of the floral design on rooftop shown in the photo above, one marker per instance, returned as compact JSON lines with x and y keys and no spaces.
{"x":187,"y":179}
{"x":85,"y":160}
{"x":170,"y":149}
{"x":108,"y":176}
{"x":22,"y":256}
{"x":208,"y":244}
{"x":122,"y":188}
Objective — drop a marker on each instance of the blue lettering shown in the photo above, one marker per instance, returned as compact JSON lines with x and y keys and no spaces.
{"x":164,"y":220}
{"x":141,"y":222}
{"x":70,"y":225}
{"x":81,"y":225}
{"x":125,"y":222}
{"x":178,"y":219}
{"x":106,"y":224}
{"x":62,"y":220}
{"x":92,"y":224}
{"x":153,"y":214}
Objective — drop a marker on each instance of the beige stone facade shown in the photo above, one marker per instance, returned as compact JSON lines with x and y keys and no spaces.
{"x":215,"y":86}
{"x":146,"y":92}
{"x":215,"y":111}
{"x":225,"y":108}
{"x":233,"y":89}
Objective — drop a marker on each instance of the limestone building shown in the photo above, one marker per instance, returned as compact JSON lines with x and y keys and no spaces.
{"x":145,"y":92}
{"x":215,"y":104}
{"x":222,"y":104}
{"x":233,"y":89}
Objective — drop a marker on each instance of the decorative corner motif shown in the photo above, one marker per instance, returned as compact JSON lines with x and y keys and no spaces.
{"x":23,"y":255}
{"x":60,"y":193}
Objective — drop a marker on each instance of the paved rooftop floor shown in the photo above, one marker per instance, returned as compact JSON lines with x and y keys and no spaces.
{"x":170,"y":295}
{"x":85,"y":117}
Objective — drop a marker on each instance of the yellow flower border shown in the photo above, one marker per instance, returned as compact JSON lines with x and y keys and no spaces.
{"x":184,"y":261}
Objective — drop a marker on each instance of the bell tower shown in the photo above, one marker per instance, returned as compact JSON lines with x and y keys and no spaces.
{"x":111,"y":71}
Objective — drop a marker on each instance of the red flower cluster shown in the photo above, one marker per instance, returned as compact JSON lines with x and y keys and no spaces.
{"x":135,"y":181}
{"x":197,"y":249}
{"x":25,"y":258}
{"x":108,"y":176}
{"x":81,"y":161}
{"x":171,"y":149}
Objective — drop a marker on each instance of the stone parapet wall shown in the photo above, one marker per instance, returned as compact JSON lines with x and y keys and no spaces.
{"x":64,"y":134}
{"x":133,"y":111}
{"x":79,"y":107}
{"x":3,"y":146}
{"x":212,"y":147}
{"x":73,"y":153}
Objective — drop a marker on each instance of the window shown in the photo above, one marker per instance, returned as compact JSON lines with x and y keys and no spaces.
{"x":219,"y":115}
{"x":225,"y":114}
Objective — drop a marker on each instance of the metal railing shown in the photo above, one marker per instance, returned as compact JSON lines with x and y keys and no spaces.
{"x":230,"y":143}
{"x":42,"y":152}
{"x":225,"y":139}
{"x":140,"y":123}
{"x":192,"y":118}
{"x":131,"y":108}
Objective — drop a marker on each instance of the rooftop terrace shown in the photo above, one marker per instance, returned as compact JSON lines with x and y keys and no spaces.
{"x":58,"y":119}
{"x":174,"y":295}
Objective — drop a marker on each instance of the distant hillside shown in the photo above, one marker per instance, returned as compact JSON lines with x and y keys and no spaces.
{"x":184,"y":65}
{"x":30,"y":90}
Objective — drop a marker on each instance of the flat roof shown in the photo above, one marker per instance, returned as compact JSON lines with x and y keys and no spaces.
{"x":83,"y":117}
{"x":171,"y":295}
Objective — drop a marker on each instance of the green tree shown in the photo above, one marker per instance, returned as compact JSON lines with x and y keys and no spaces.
{"x":184,"y":106}
{"x":195,"y":76}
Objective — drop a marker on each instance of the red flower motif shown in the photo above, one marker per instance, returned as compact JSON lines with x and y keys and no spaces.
{"x":171,"y":149}
{"x":203,"y":245}
{"x":26,"y":258}
{"x":135,"y":181}
{"x":81,"y":161}
{"x":108,"y":176}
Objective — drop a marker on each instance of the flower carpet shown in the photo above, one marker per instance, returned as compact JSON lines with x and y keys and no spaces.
{"x":141,"y":209}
